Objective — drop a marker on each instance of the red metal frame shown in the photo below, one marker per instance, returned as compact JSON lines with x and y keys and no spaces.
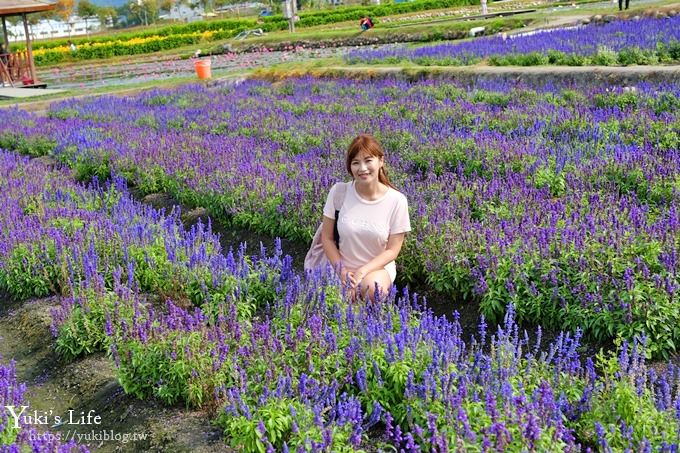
{"x":15,"y":68}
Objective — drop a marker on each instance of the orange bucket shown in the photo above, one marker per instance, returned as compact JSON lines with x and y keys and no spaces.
{"x":203,"y":68}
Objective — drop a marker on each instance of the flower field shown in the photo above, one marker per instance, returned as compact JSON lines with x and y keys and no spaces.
{"x":167,"y":37}
{"x":133,"y":46}
{"x":623,"y":42}
{"x":281,"y":360}
{"x":563,"y":202}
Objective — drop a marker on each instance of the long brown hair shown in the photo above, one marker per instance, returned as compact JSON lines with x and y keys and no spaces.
{"x":369,"y":145}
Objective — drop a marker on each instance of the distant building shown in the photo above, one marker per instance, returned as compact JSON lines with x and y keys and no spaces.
{"x":184,"y":13}
{"x":242,"y":9}
{"x":50,"y":28}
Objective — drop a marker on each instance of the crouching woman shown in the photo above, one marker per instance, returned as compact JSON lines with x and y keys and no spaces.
{"x":372,"y":222}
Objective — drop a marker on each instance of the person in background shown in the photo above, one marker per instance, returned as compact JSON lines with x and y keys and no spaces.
{"x":71,"y":45}
{"x":621,"y":4}
{"x":485,"y":10}
{"x":365,"y":23}
{"x":372,"y":222}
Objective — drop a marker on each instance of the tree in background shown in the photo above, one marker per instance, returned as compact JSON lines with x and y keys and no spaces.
{"x":64,"y":9}
{"x":166,"y":5}
{"x":108,"y":16}
{"x":86,"y":9}
{"x":33,"y":19}
{"x":208,"y":5}
{"x":143,"y":11}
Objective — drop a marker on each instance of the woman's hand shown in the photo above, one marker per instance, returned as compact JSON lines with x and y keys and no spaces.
{"x":357,"y":276}
{"x":345,"y":276}
{"x":360,"y":273}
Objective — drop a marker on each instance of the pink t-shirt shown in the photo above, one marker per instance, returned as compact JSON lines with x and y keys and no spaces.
{"x":365,"y":226}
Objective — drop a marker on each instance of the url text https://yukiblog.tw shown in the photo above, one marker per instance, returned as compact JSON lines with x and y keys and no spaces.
{"x":100,"y":436}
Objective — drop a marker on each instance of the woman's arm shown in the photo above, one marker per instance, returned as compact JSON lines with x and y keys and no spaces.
{"x":394,"y":243}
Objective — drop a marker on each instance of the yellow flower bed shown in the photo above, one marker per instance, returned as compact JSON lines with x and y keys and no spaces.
{"x":65,"y":50}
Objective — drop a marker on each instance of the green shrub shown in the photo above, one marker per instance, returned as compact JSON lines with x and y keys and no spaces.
{"x":674,"y":50}
{"x":494,"y":98}
{"x":624,"y":100}
{"x":84,"y":332}
{"x":30,"y":146}
{"x":556,"y":57}
{"x":635,"y":55}
{"x":147,"y":369}
{"x":604,"y":56}
{"x":617,"y":402}
{"x":245,"y":435}
{"x":30,"y":271}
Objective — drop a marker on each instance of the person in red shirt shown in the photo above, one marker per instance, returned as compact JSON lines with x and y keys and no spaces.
{"x":366,"y":23}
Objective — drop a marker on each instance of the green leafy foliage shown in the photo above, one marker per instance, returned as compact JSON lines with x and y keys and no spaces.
{"x":603,"y":57}
{"x":34,"y":146}
{"x":277,"y":420}
{"x":617,"y":402}
{"x":30,"y":271}
{"x":85,"y":330}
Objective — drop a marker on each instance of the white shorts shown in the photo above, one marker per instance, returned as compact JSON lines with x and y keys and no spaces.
{"x":392,"y":271}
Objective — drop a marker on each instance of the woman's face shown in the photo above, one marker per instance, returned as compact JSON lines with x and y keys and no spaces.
{"x":365,"y":167}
